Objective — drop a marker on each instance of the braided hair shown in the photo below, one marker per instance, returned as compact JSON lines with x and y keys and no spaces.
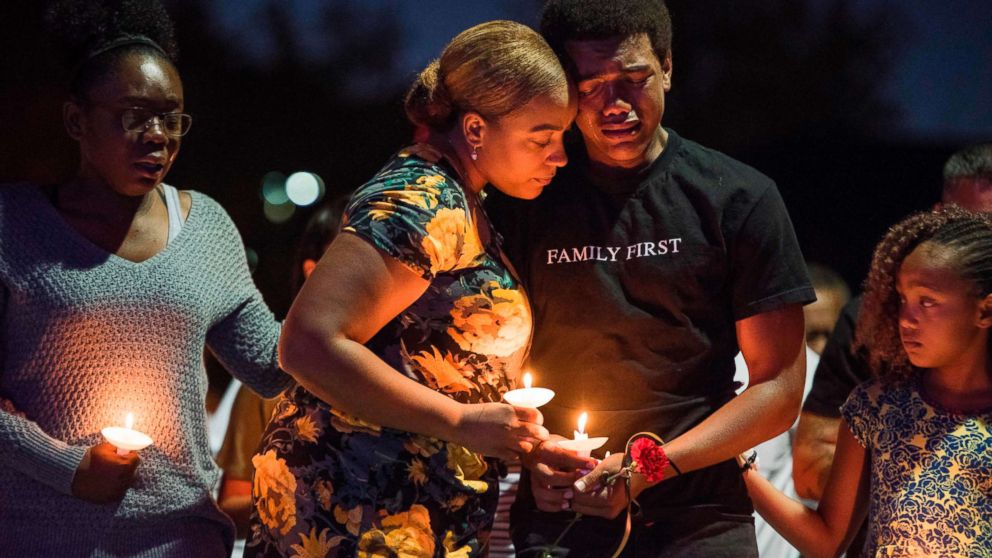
{"x":91,"y":36}
{"x":968,"y":238}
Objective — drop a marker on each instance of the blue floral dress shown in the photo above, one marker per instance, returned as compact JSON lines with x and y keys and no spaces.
{"x":331,"y":484}
{"x":931,"y":473}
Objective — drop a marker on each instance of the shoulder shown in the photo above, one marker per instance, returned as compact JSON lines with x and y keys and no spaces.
{"x":20,"y":193}
{"x":718,"y":169}
{"x":21,"y":205}
{"x":727,"y":186}
{"x":206,"y":214}
{"x":407,"y":182}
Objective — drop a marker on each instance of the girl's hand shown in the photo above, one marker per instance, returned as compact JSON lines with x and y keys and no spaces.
{"x":103,"y":476}
{"x":499,"y":430}
{"x":748,"y":461}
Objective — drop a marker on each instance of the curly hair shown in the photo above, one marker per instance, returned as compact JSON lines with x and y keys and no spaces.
{"x":565,"y":20}
{"x":968,"y":237}
{"x":82,"y":31}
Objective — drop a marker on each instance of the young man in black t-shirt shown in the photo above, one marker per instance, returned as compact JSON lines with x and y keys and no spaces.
{"x":650,"y":261}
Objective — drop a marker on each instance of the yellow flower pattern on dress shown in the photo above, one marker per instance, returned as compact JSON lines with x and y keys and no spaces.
{"x":449,"y":547}
{"x":496,"y":322}
{"x":324,"y":490}
{"x":451,"y":243}
{"x":468,"y":467}
{"x":343,"y":422}
{"x":424,"y":446}
{"x":424,"y":197}
{"x":403,"y":535}
{"x":444,"y":372}
{"x":315,"y":545}
{"x":273,"y":489}
{"x":307,"y":430}
{"x":351,"y":519}
{"x":417,"y":471}
{"x":381,"y":491}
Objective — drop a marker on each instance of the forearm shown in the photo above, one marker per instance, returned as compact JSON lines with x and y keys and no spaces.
{"x":762,"y":412}
{"x":350,"y":377}
{"x":28,"y":449}
{"x":245,"y":343}
{"x":813,"y":455}
{"x":803,"y":527}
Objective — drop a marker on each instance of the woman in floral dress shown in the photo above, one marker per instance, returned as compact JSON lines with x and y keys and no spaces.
{"x":413,"y":325}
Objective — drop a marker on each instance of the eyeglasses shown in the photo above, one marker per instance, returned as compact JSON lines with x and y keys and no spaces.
{"x":174,"y":124}
{"x":138,"y":119}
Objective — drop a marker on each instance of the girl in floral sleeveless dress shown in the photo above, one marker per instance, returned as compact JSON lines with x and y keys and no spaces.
{"x":915,"y":454}
{"x":413,"y":325}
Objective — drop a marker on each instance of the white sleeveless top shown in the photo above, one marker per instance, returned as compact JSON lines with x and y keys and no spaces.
{"x":175,"y":209}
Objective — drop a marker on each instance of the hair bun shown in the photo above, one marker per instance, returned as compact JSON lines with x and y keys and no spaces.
{"x":427,"y":102}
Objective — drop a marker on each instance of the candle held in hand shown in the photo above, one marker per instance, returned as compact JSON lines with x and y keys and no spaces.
{"x":581,"y":443}
{"x":126,"y":439}
{"x":528,"y":396}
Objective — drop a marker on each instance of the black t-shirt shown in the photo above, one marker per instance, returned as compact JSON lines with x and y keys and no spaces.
{"x":636,"y":290}
{"x":841,"y":368}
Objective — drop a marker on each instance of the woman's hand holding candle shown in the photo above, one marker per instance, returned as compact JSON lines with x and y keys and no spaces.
{"x":498,"y":430}
{"x":103,"y":476}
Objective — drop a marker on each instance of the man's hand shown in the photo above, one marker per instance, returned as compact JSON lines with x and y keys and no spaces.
{"x":552,"y":471}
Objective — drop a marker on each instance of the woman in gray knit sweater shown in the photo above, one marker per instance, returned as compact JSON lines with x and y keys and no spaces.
{"x":111,"y":285}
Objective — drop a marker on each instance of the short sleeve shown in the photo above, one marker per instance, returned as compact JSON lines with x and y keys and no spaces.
{"x":861,"y":412}
{"x":841,"y":368}
{"x":418,"y":215}
{"x":768,"y":267}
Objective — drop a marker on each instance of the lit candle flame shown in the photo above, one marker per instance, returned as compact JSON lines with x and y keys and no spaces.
{"x":582,"y":422}
{"x":528,"y":380}
{"x":129,"y":421}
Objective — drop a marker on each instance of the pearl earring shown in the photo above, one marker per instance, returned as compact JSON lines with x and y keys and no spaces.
{"x":475,"y":153}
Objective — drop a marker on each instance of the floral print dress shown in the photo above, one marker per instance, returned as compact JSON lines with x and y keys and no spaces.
{"x":331,"y":484}
{"x":931,"y":472}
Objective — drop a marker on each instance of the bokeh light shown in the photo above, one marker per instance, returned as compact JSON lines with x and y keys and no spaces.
{"x":278,"y":213}
{"x":304,"y":188}
{"x":274,"y":188}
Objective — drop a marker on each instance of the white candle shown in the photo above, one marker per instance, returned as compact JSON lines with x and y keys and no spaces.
{"x":126,"y":439}
{"x":528,"y":396}
{"x":580,"y":434}
{"x":581,"y":443}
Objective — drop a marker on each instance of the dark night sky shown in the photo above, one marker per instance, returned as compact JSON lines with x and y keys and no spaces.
{"x":942,"y":79}
{"x":248,"y":125}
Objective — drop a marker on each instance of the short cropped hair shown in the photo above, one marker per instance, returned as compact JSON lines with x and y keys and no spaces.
{"x":566,"y":20}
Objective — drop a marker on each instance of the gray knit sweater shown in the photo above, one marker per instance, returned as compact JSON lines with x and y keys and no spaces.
{"x":87,"y":337}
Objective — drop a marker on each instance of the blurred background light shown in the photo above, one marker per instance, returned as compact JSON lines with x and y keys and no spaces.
{"x":274,"y":188}
{"x":304,"y":188}
{"x":278,"y":213}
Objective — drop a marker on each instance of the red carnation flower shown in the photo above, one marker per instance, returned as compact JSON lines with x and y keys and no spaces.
{"x":649,"y":459}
